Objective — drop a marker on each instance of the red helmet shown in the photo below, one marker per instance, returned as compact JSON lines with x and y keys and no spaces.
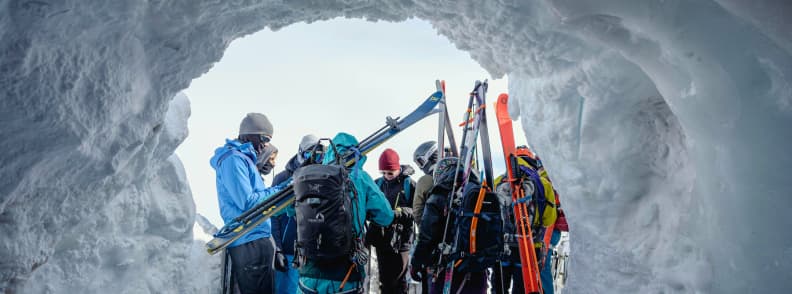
{"x":523,"y":150}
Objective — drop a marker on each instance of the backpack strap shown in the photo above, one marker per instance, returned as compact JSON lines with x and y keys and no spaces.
{"x":539,"y":199}
{"x":407,"y":189}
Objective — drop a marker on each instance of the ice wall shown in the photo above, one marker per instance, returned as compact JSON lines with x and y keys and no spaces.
{"x":664,"y":123}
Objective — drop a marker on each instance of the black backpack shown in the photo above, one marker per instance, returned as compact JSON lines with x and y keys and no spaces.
{"x":323,"y":209}
{"x":485,"y":251}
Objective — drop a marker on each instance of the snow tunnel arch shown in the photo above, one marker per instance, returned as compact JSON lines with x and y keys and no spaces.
{"x":86,"y":87}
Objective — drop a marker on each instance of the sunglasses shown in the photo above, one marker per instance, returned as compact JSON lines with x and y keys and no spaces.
{"x":388,"y":172}
{"x":264,"y":139}
{"x":317,"y":156}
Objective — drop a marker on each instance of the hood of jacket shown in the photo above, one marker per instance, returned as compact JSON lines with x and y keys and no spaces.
{"x":344,"y":143}
{"x":245,"y":148}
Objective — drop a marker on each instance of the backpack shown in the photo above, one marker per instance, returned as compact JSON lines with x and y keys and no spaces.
{"x":323,"y":208}
{"x":542,"y":204}
{"x":479,"y":248}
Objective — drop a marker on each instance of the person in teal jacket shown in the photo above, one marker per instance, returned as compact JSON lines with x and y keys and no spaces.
{"x":239,"y":188}
{"x":372,"y":206}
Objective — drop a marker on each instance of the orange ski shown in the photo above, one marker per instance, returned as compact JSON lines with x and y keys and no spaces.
{"x":530,"y":268}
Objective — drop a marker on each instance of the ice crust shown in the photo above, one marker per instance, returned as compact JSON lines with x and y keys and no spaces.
{"x":664,"y":124}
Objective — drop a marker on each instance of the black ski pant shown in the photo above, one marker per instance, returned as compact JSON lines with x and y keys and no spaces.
{"x":392,"y":271}
{"x":252,"y":266}
{"x":511,"y":273}
{"x":425,"y":283}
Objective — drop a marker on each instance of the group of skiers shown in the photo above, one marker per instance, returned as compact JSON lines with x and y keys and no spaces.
{"x":322,"y":244}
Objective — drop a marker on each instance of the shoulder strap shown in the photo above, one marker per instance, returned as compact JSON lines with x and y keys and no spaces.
{"x":407,"y":189}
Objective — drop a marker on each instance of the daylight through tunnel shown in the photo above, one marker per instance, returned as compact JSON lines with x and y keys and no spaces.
{"x":663,"y":123}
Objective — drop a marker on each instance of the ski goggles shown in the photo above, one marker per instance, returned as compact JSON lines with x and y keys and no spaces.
{"x":318,"y":156}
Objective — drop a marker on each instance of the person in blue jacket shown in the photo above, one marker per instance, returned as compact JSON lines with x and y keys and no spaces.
{"x":239,"y":188}
{"x":284,"y":227}
{"x":371,"y":206}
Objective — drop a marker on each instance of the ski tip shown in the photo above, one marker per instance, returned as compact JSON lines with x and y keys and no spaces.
{"x":436,"y":96}
{"x":442,"y":85}
{"x":503,"y":98}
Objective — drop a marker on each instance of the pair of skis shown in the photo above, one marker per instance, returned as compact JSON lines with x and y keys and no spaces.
{"x":530,"y":267}
{"x":444,"y":126}
{"x":475,"y":122}
{"x":257,"y":215}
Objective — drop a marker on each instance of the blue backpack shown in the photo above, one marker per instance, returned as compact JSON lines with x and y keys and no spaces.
{"x":481,"y":248}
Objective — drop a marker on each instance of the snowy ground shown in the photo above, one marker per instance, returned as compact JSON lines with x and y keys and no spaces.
{"x":665,"y":124}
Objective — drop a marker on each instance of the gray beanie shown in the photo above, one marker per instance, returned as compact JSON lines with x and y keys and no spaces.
{"x":307,"y":142}
{"x":255,"y":123}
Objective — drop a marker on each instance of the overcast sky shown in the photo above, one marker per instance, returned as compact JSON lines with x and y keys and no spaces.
{"x":323,"y":78}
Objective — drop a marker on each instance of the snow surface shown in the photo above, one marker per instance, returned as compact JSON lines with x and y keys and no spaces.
{"x":665,"y":124}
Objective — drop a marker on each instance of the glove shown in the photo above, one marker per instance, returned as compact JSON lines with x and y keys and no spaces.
{"x":403,"y":216}
{"x":281,"y":263}
{"x":539,"y":234}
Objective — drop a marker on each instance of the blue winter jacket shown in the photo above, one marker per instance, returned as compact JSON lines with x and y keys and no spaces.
{"x":239,"y":186}
{"x":372,"y":206}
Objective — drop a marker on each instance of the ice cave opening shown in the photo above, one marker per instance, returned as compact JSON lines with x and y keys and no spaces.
{"x":666,"y":122}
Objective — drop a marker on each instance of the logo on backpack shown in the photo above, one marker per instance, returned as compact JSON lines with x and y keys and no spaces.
{"x":318,"y":219}
{"x":315,"y":188}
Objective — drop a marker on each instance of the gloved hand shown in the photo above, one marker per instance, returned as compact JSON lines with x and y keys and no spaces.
{"x":281,"y":263}
{"x":403,"y":215}
{"x":539,"y":234}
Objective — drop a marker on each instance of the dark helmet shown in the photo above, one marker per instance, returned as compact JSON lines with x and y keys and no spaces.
{"x":447,"y":171}
{"x":425,"y":156}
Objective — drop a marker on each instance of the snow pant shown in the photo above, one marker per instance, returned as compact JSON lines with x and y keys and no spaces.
{"x":512,"y":279}
{"x":320,"y":286}
{"x":546,"y":273}
{"x":286,"y":282}
{"x":252,"y":266}
{"x":392,"y":268}
{"x":464,"y":283}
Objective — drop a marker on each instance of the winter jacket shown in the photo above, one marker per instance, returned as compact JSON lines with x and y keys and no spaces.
{"x":422,"y":189}
{"x":371,"y":206}
{"x":381,"y":237}
{"x":239,"y":185}
{"x":284,"y":227}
